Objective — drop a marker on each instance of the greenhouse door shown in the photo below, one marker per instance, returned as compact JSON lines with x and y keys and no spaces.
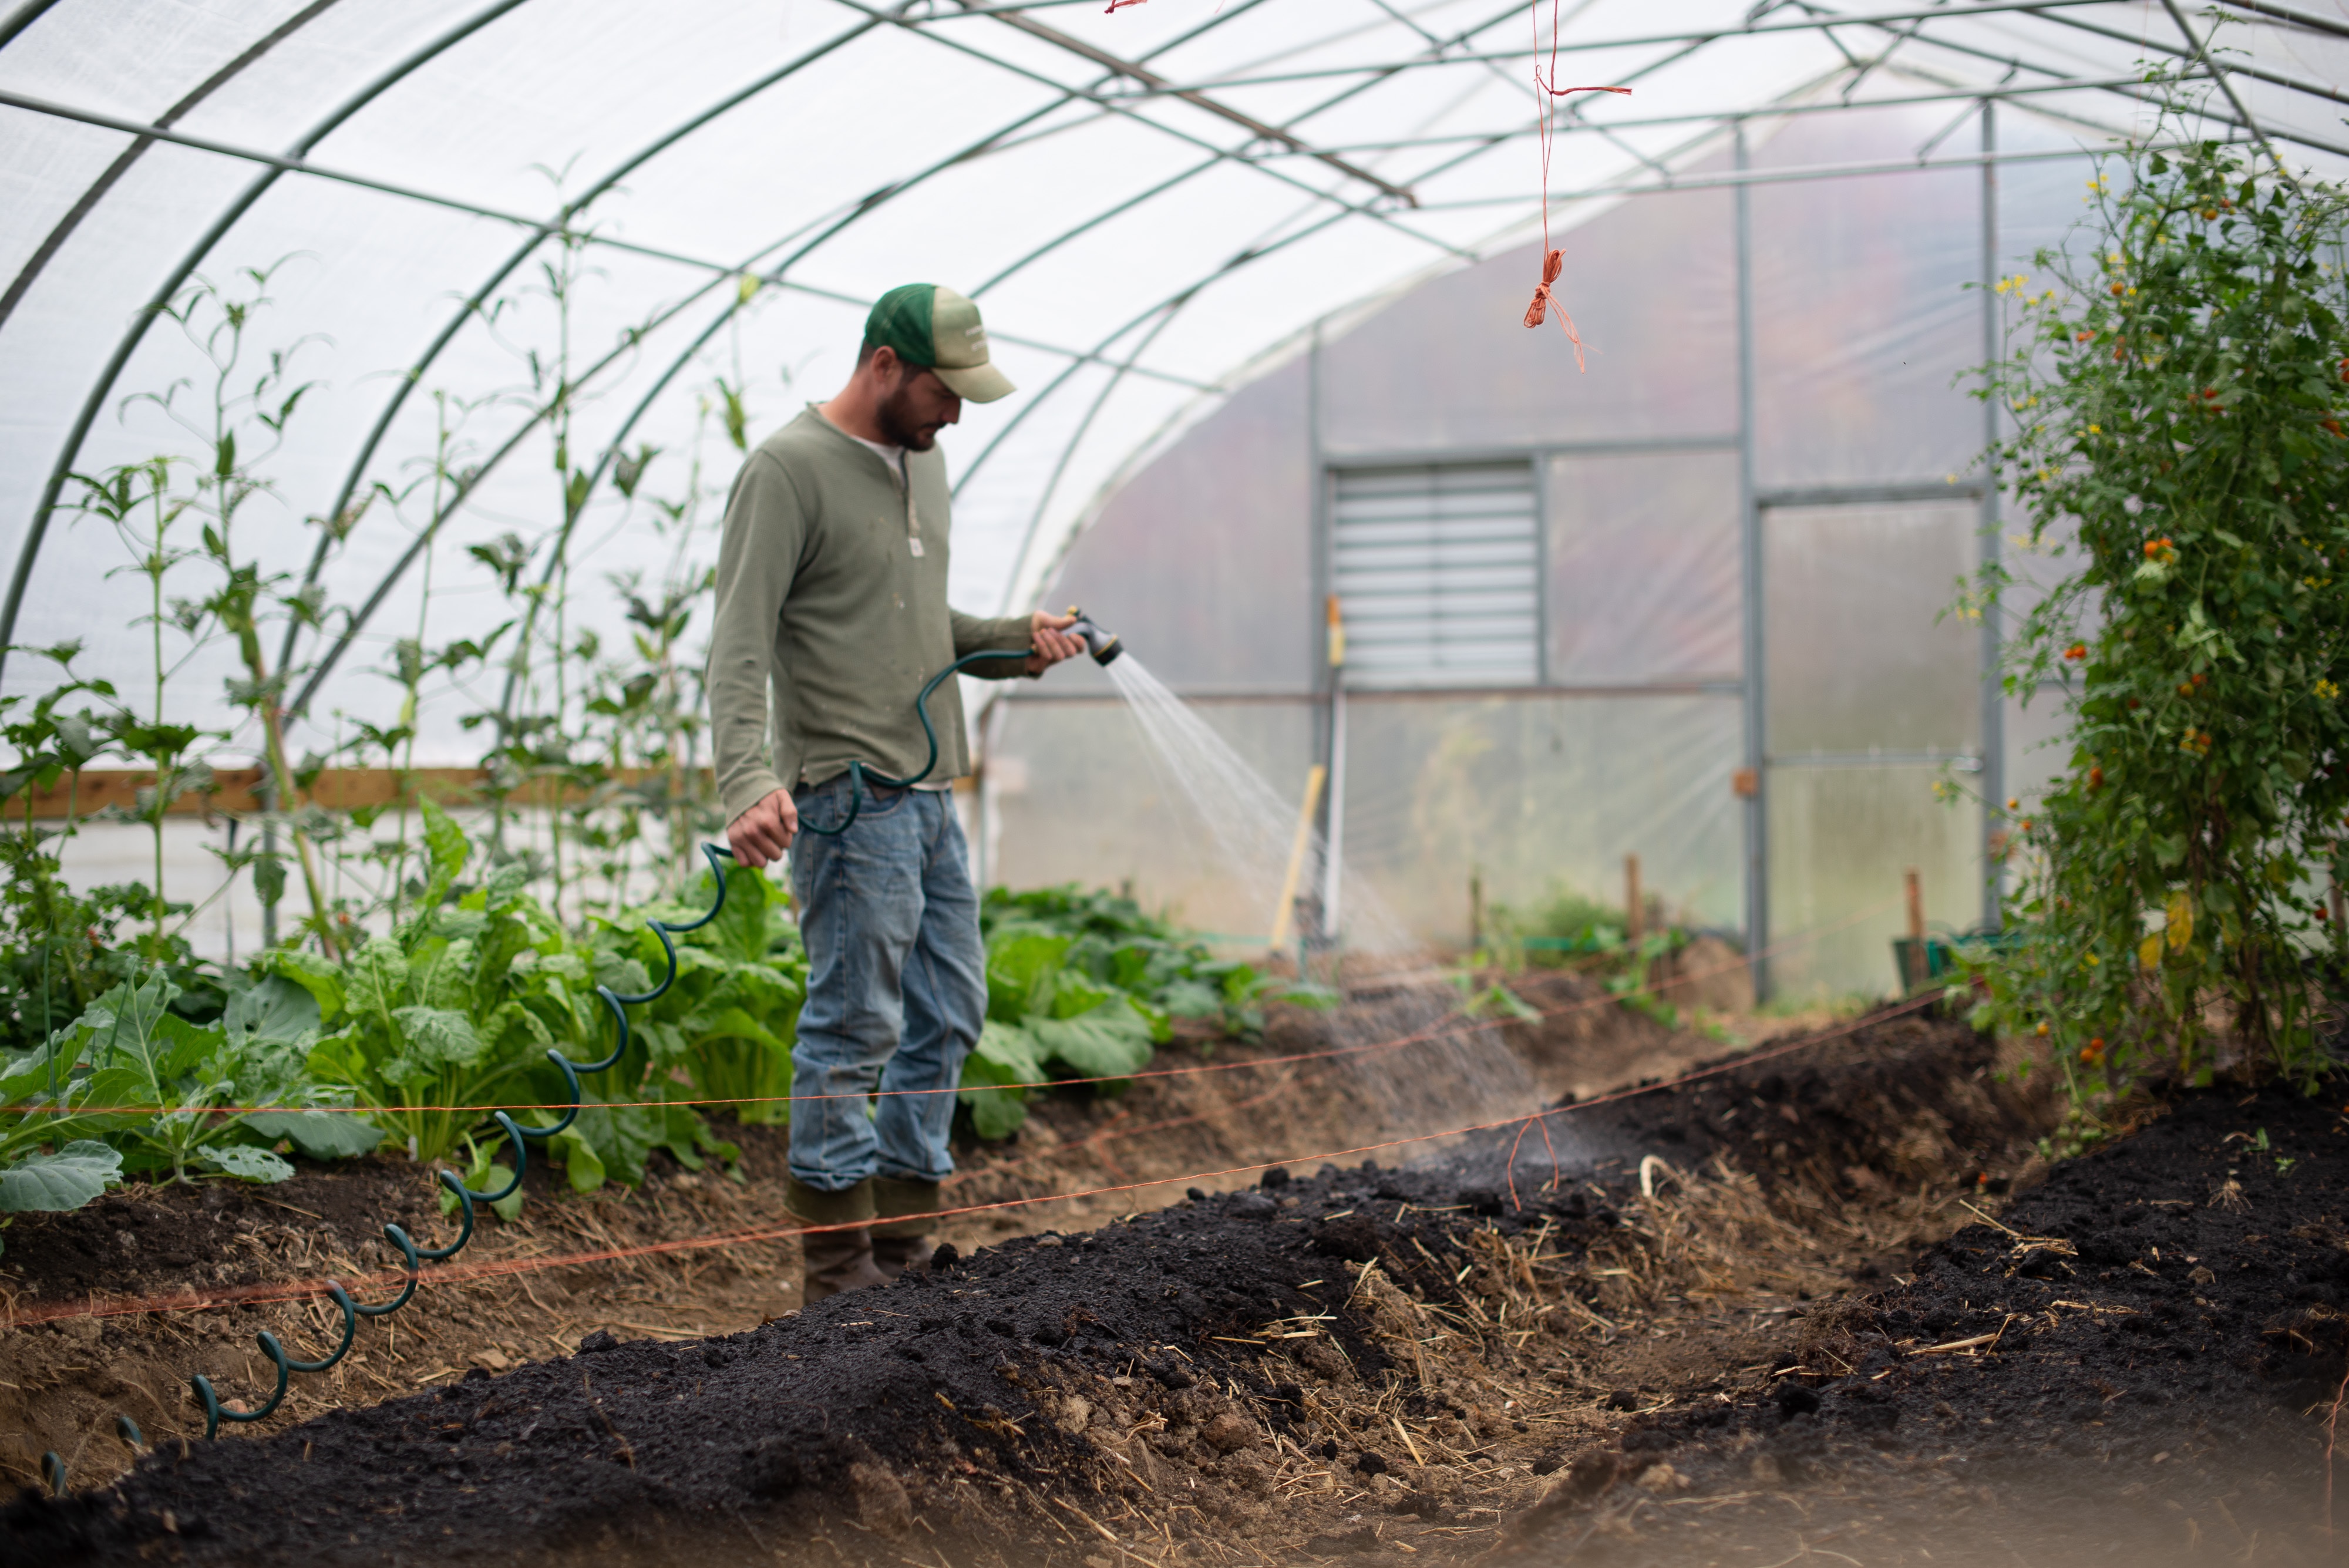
{"x":1871,"y":712}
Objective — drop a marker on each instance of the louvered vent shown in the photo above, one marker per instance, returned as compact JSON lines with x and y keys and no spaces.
{"x":1437,"y":569}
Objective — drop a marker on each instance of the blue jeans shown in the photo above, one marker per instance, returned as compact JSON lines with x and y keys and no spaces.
{"x":897,"y":984}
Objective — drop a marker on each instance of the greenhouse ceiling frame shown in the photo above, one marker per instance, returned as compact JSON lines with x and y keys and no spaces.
{"x":1114,"y":86}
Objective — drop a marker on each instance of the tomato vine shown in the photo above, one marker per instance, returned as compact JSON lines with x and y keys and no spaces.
{"x":2175,"y":404}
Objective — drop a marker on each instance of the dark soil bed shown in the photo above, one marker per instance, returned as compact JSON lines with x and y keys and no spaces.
{"x":1381,"y":1363}
{"x":2138,"y":1361}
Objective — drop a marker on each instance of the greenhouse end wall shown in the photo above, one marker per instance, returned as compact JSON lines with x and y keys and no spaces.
{"x":1857,"y":477}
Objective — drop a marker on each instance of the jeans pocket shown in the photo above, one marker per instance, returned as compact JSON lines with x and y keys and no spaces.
{"x":836,"y":805}
{"x":823,"y":807}
{"x":881,"y":802}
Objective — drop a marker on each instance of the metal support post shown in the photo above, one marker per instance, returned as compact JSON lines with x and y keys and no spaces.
{"x":1317,"y":926}
{"x":1994,"y":691}
{"x":1757,"y":794}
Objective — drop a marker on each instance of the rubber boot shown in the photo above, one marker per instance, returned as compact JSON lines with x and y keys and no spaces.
{"x":903,"y":1246}
{"x":835,"y":1261}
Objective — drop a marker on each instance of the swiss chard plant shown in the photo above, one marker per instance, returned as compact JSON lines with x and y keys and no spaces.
{"x":1086,"y":985}
{"x":728,"y":1022}
{"x":2178,"y":400}
{"x":458,"y":1008}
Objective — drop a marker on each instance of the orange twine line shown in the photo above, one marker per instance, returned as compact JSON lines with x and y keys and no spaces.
{"x":250,"y":1295}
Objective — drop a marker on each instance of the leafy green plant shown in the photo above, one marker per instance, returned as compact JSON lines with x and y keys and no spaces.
{"x":730,"y":1019}
{"x":1575,"y":932}
{"x":44,"y":1163}
{"x":1085,"y":985}
{"x":459,"y":1007}
{"x":167,"y":1094}
{"x":2178,"y":402}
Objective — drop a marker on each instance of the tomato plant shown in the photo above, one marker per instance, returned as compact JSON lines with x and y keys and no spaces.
{"x":2175,"y":402}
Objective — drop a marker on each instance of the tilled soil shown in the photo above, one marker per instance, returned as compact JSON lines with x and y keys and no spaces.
{"x":62,"y":1383}
{"x":2141,"y":1360}
{"x":1364,"y":1362}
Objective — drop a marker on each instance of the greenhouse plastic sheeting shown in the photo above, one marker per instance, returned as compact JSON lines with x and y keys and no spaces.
{"x":1074,"y":794}
{"x":1537,"y":795}
{"x":1840,"y":840}
{"x":1148,"y":201}
{"x":1865,"y":321}
{"x":1643,"y":568}
{"x":1865,"y":652}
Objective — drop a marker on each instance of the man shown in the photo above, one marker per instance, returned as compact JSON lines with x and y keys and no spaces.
{"x":831,"y":591}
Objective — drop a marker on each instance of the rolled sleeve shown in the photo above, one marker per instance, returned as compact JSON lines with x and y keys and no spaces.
{"x":977,"y":634}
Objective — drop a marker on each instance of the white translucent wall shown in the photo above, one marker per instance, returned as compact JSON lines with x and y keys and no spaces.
{"x":1865,"y":448}
{"x":1132,"y":246}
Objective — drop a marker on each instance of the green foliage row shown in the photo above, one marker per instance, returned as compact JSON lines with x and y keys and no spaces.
{"x":406,"y":1036}
{"x":1086,"y":985}
{"x":2178,"y":402}
{"x":401,"y":1043}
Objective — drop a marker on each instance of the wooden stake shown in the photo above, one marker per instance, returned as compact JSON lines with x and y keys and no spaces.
{"x":1635,"y":913}
{"x":1918,"y":965}
{"x":1475,"y":910}
{"x":1284,"y":912}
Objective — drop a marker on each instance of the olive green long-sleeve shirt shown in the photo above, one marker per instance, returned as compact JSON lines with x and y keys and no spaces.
{"x":832,"y":593}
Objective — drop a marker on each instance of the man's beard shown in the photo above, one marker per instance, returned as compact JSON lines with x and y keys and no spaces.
{"x":898,"y":425}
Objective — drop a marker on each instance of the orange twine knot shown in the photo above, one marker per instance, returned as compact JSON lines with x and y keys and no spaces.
{"x":1538,"y":311}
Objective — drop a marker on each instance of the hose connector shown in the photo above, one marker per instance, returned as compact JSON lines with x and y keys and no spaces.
{"x":1101,"y":644}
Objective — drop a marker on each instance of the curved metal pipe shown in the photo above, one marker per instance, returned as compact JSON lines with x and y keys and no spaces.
{"x":415,"y":375}
{"x":1171,"y":309}
{"x":22,"y":17}
{"x":112,"y":174}
{"x":37,"y":528}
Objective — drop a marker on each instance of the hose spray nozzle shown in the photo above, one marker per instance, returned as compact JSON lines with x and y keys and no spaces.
{"x":1100,"y":643}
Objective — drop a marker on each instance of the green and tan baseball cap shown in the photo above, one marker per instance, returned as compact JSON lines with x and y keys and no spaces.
{"x":932,"y":325}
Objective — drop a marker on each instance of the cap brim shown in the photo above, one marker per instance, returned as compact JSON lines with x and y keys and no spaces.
{"x":979,"y":384}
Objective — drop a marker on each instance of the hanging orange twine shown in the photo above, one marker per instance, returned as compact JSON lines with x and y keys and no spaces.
{"x":1544,"y":89}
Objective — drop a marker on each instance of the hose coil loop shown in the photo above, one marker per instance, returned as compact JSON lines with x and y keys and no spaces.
{"x":53,"y":1466}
